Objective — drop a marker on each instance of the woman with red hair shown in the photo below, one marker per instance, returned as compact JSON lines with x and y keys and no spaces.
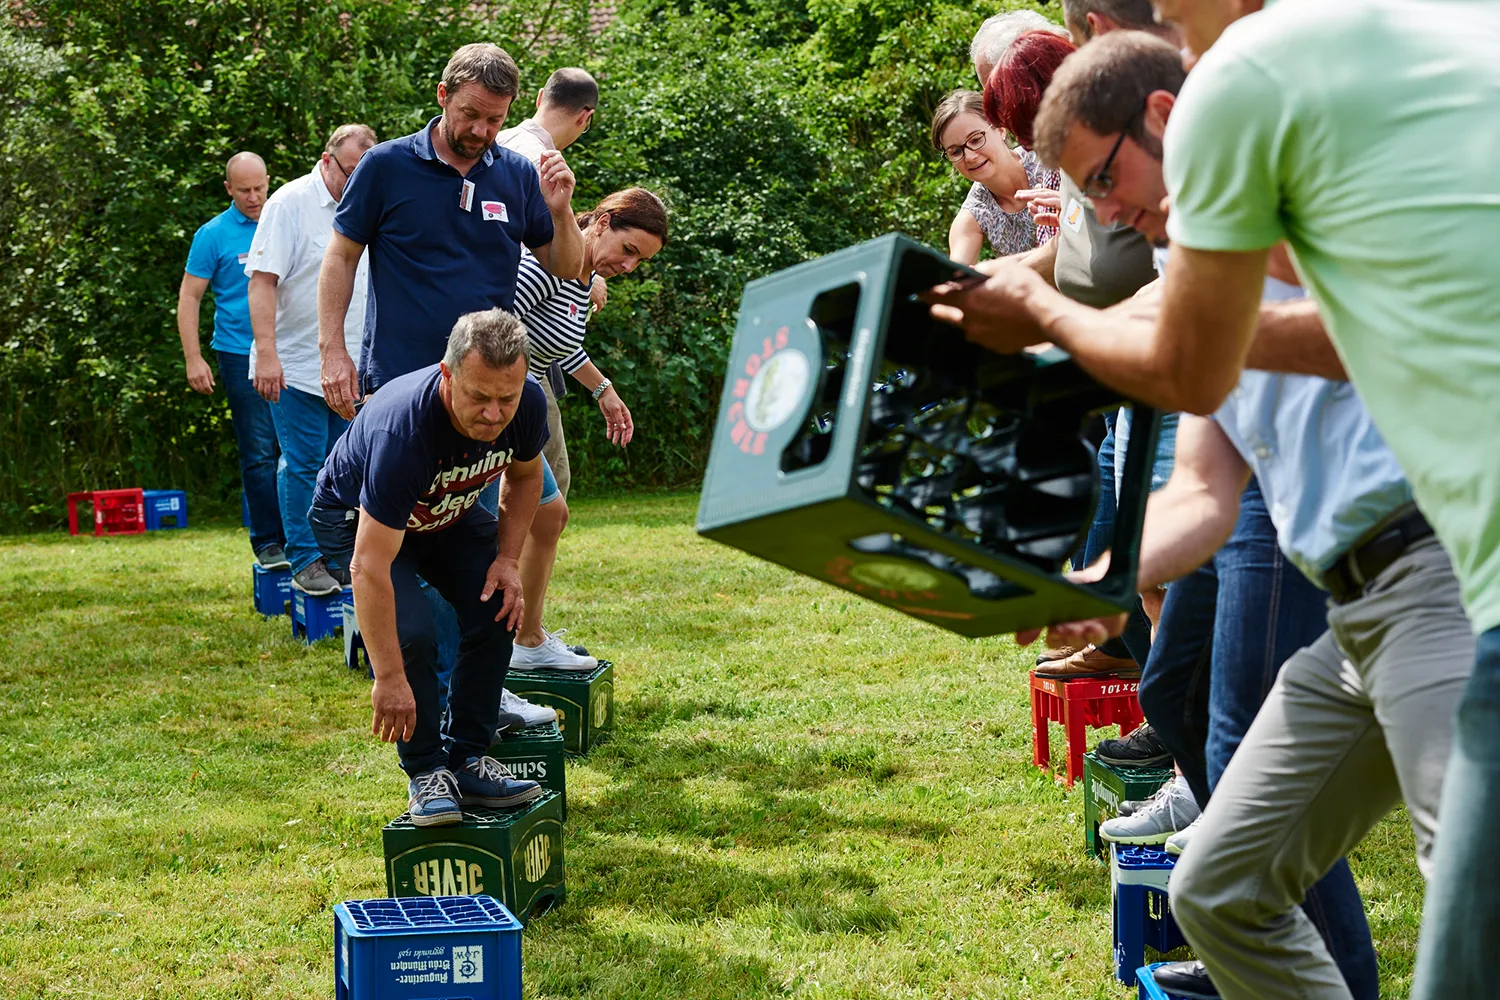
{"x":1013,"y":94}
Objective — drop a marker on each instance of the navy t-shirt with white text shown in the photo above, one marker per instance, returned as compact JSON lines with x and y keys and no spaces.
{"x":439,"y":247}
{"x":405,"y":463}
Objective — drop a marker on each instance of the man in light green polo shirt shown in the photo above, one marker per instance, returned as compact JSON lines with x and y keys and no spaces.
{"x":1367,"y":135}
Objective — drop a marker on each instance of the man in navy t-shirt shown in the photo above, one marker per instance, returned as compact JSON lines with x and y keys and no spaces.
{"x":398,"y":499}
{"x":444,"y":212}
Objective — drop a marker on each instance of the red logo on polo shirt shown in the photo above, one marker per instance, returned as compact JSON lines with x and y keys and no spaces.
{"x":494,"y":210}
{"x":573,"y":309}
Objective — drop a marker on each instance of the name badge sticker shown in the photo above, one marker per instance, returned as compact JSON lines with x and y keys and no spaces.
{"x":244,"y":257}
{"x":495,"y":210}
{"x":466,"y":199}
{"x":1074,"y":215}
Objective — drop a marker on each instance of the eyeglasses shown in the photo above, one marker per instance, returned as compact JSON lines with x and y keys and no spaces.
{"x":592,"y":112}
{"x":1101,"y":183}
{"x":975,"y":142}
{"x":336,"y":163}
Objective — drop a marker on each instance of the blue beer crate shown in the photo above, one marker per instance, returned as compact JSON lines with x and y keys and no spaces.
{"x":165,"y":509}
{"x":1142,"y":911}
{"x":1146,"y":988}
{"x":315,"y":618}
{"x":272,"y":589}
{"x":427,"y":947}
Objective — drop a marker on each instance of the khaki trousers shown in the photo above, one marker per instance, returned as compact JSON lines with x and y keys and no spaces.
{"x":1356,"y":722}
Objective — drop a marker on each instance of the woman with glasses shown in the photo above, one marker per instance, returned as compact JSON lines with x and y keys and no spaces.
{"x":992,"y":212}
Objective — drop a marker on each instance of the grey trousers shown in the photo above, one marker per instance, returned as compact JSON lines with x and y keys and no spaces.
{"x":556,"y":448}
{"x":1356,"y":722}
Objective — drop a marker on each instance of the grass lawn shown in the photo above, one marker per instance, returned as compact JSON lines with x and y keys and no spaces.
{"x":806,"y":795}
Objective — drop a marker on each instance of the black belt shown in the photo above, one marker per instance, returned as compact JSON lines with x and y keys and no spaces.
{"x":1347,"y":578}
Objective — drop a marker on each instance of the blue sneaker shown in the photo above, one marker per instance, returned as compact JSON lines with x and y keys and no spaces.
{"x":434,"y":799}
{"x":484,"y":781}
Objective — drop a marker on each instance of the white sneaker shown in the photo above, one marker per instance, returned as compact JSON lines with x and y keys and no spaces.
{"x":1178,"y":842}
{"x":531,"y":714}
{"x":1170,"y":810}
{"x":550,"y":655}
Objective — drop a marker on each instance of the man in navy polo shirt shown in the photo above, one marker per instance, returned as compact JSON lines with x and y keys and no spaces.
{"x":398,"y":498}
{"x":221,"y":246}
{"x":444,"y":212}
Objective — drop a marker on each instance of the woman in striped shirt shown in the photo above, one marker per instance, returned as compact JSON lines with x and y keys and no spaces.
{"x":624,"y":229}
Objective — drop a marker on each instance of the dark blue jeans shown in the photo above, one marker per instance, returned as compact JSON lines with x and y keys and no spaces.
{"x":1225,"y":631}
{"x":255,"y":436}
{"x":454,"y":561}
{"x":306,"y":429}
{"x":1136,"y":641}
{"x":1461,"y":919}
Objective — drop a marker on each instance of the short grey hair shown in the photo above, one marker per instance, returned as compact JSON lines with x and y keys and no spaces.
{"x":486,"y":64}
{"x":997,"y":33}
{"x":498,"y":336}
{"x":345,"y":133}
{"x":1135,"y":15}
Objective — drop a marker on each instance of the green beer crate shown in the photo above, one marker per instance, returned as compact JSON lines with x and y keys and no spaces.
{"x":535,"y":754}
{"x":515,"y":855}
{"x":585,"y":703}
{"x":1106,"y":786}
{"x":861,"y":442}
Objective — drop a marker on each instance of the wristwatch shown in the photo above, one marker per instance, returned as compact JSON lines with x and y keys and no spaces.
{"x":599,"y":389}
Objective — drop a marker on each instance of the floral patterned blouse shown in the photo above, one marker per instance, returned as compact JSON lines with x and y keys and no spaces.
{"x":1013,"y":232}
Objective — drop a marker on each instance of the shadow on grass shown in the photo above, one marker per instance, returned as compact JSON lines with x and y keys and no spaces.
{"x":624,"y":965}
{"x":655,"y":881}
{"x":769,"y":792}
{"x":1081,"y":883}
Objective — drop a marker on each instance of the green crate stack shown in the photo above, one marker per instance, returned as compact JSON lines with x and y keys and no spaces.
{"x":515,"y":855}
{"x":585,"y":703}
{"x":536,"y":754}
{"x":1106,"y":786}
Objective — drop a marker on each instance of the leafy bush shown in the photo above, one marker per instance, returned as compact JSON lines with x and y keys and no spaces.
{"x":778,"y":130}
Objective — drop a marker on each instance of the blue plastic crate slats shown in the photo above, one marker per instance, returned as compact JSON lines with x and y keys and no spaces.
{"x":407,"y":912}
{"x":1143,"y":858}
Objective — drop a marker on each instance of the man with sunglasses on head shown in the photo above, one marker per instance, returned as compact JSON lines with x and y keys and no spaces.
{"x":285,"y":256}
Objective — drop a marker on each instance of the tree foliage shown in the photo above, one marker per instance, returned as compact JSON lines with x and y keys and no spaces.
{"x":778,"y":130}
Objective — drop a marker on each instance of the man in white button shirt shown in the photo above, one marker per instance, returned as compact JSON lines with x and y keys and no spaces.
{"x":283,"y":268}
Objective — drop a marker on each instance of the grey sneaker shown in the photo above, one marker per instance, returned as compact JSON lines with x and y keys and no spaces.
{"x":1170,"y":810}
{"x":1178,"y":842}
{"x":433,"y":799}
{"x":316,"y":580}
{"x":273,"y":556}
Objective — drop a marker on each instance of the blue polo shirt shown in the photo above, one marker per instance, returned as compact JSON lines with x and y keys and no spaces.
{"x":220,"y":248}
{"x":435,"y":254}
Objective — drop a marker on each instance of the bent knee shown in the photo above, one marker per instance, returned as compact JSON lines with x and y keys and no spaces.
{"x":1208,"y":889}
{"x":550,"y":519}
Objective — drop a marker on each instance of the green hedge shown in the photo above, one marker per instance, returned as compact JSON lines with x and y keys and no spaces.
{"x":777,"y":130}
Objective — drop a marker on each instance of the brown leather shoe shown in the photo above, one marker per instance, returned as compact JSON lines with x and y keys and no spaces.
{"x":1090,"y":661}
{"x":1060,"y":653}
